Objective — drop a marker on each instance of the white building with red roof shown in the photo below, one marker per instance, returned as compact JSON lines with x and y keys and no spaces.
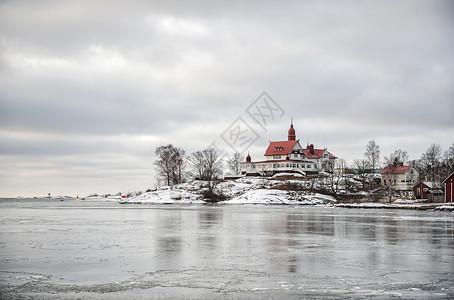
{"x":289,"y":157}
{"x":401,"y":177}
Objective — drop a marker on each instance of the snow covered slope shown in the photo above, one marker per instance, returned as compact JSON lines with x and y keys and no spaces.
{"x":248,"y":190}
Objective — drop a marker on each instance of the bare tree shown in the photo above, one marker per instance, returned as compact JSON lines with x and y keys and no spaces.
{"x":197,"y":162}
{"x":372,"y":154}
{"x":334,"y":178}
{"x":362,"y":165}
{"x":389,"y":174}
{"x":179,"y":174}
{"x":430,"y":160}
{"x":170,"y":164}
{"x":206,"y":165}
{"x":235,"y":163}
{"x":448,"y":161}
{"x":400,"y":156}
{"x":163,"y":163}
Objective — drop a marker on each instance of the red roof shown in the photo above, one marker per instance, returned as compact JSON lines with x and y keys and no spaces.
{"x":397,"y":169}
{"x":284,"y":148}
{"x":311,"y":152}
{"x":280,"y":148}
{"x":317,"y":153}
{"x":448,"y":177}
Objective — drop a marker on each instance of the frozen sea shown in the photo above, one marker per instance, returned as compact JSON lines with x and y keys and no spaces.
{"x":51,"y":249}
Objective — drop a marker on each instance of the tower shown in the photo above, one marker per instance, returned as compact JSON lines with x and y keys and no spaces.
{"x":291,"y":132}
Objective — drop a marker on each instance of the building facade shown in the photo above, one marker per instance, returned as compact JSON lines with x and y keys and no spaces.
{"x":400,"y":177}
{"x":449,"y":188}
{"x":428,"y":190}
{"x":421,"y":189}
{"x":290,"y":157}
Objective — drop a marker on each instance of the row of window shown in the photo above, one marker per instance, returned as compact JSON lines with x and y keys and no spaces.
{"x":286,"y":165}
{"x":407,"y":180}
{"x":296,"y":156}
{"x":290,"y":165}
{"x":402,"y":180}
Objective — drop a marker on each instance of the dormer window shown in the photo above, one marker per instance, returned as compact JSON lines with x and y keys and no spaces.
{"x":278,"y":148}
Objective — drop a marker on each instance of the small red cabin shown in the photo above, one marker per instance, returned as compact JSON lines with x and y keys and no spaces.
{"x":421,"y":190}
{"x":449,"y":188}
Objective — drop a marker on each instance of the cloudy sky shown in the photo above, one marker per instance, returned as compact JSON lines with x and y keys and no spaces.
{"x":89,"y":89}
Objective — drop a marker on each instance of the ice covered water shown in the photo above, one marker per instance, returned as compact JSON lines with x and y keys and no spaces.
{"x":103,"y":250}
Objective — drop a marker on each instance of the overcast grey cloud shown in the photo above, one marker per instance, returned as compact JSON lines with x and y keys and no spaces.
{"x":88,"y":89}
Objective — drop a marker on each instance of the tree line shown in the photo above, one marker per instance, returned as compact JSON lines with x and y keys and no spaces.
{"x":174,"y":167}
{"x":433,"y":165}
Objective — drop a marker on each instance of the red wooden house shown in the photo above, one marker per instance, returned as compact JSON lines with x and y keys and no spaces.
{"x":449,"y":188}
{"x":421,"y":190}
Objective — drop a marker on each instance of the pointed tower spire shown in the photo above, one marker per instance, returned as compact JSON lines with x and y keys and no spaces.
{"x":248,"y":158}
{"x":291,"y":131}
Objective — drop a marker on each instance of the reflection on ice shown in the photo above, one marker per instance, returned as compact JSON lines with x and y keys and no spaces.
{"x":99,"y":250}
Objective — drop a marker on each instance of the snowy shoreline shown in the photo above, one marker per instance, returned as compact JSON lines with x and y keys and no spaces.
{"x":248,"y":190}
{"x":284,"y":189}
{"x":266,"y":191}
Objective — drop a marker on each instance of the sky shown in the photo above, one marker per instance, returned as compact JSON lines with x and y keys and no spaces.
{"x":89,"y":89}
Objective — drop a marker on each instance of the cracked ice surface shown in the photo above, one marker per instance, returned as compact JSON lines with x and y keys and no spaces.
{"x":103,"y":250}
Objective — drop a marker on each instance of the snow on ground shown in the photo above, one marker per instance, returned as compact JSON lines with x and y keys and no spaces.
{"x":246,"y":190}
{"x":362,"y":205}
{"x":261,"y":196}
{"x":405,"y":201}
{"x":102,"y":198}
{"x":445,"y":208}
{"x":253,"y":190}
{"x":322,"y":197}
{"x":186,"y":193}
{"x":287,"y":174}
